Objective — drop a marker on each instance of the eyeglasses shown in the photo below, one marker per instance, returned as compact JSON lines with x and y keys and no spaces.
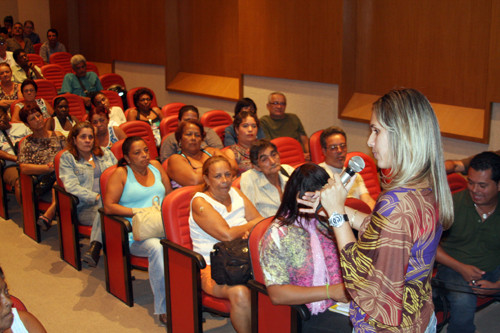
{"x":340,"y":147}
{"x":278,"y":103}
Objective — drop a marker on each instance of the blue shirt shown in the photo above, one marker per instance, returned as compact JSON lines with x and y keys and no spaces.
{"x":90,"y":81}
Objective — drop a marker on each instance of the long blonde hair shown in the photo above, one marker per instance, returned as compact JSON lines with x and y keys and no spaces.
{"x":415,"y":150}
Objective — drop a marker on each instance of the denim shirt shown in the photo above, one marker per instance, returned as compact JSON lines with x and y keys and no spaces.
{"x":78,"y":176}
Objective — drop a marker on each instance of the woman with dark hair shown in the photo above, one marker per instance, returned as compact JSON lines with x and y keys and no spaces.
{"x":134,"y":184}
{"x":29,"y":89}
{"x":9,"y":90}
{"x":244,"y":104}
{"x":222,"y":213}
{"x":246,"y":125}
{"x":61,"y":120}
{"x":387,"y":271}
{"x":185,"y":167}
{"x":299,"y":259}
{"x":115,"y":113}
{"x":106,"y":134}
{"x":145,"y":112}
{"x":80,"y":168}
{"x":36,"y":157}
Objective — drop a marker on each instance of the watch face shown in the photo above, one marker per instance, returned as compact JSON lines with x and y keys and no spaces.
{"x":336,"y":220}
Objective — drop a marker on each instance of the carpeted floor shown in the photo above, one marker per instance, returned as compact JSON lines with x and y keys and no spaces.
{"x":64,"y":299}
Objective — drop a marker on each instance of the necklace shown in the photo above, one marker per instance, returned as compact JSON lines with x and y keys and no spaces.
{"x":484,"y":215}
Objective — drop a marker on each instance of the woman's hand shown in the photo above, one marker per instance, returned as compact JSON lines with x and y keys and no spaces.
{"x":334,"y":193}
{"x":311,"y":200}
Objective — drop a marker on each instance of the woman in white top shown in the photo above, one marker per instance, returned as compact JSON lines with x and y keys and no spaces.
{"x":222,"y":213}
{"x":116,"y":115}
{"x":106,"y":133}
{"x":61,"y":120}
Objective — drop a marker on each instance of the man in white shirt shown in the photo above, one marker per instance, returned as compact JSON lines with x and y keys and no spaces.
{"x":6,"y":56}
{"x":334,"y":144}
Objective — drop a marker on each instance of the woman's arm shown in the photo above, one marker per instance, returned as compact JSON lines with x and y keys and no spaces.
{"x":164,"y":176}
{"x":182,"y":172}
{"x":289,"y":294}
{"x":158,"y":111}
{"x":120,"y":134}
{"x":114,"y":191}
{"x":356,"y":217}
{"x":50,"y":110}
{"x":50,"y":124}
{"x":15,"y":114}
{"x":132,"y":114}
{"x":30,"y":322}
{"x":228,"y":153}
{"x":71,"y":182}
{"x":212,"y":222}
{"x":36,"y":169}
{"x":252,"y":215}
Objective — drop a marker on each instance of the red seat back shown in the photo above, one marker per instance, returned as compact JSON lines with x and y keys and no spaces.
{"x":171,"y":109}
{"x":113,"y":97}
{"x":168,"y":125}
{"x":91,"y":67}
{"x":221,"y":131}
{"x":46,"y":90}
{"x":290,"y":151}
{"x":37,"y":47}
{"x":216,"y":118}
{"x":116,"y":149}
{"x":142,"y":129}
{"x":315,"y":149}
{"x":130,"y":97}
{"x":54,"y":73}
{"x":369,"y":173}
{"x":36,"y":59}
{"x":253,"y":246}
{"x":76,"y":106}
{"x":456,"y":182}
{"x":110,"y":79}
{"x":63,"y":59}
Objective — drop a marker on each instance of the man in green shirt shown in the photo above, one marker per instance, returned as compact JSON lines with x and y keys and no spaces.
{"x":469,"y":252}
{"x":279,"y":124}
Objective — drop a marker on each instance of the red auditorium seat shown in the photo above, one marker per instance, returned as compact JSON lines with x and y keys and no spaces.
{"x":315,"y":149}
{"x":62,"y":59}
{"x":290,"y":151}
{"x":76,"y":106}
{"x":55,"y":74}
{"x":369,"y":173}
{"x":216,"y":118}
{"x":171,"y":109}
{"x":110,"y":79}
{"x":142,"y":129}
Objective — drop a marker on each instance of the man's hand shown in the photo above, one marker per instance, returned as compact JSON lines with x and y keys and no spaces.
{"x":470,"y":273}
{"x":485,"y":284}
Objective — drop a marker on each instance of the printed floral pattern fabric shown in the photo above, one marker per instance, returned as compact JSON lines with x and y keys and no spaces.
{"x":41,"y":150}
{"x":388,"y":270}
{"x":286,"y":257}
{"x":242,"y":157}
{"x":11,"y":97}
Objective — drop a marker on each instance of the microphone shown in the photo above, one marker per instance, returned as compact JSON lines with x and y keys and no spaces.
{"x":356,"y":164}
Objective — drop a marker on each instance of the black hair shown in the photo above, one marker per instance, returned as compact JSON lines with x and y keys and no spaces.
{"x":54,"y":31}
{"x":258,"y":147}
{"x":16,"y":54}
{"x":180,"y":129}
{"x":485,"y":161}
{"x":140,"y":92}
{"x":329,"y":132}
{"x":127,"y":144}
{"x":244,"y":102}
{"x":238,"y":119}
{"x":308,"y":177}
{"x":28,"y":82}
{"x":27,"y":110}
{"x":59,"y":100}
{"x":93,"y":95}
{"x":187,"y":108}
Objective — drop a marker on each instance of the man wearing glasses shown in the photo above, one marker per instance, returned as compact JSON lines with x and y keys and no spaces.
{"x":279,"y":123}
{"x":334,"y":144}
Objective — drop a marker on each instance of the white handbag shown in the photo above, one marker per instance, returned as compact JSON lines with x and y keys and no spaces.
{"x":148,"y":222}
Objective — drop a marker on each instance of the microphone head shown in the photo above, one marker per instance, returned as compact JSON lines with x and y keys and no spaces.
{"x":356,"y":163}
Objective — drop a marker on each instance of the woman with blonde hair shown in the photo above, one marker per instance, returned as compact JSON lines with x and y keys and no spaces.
{"x":387,"y":271}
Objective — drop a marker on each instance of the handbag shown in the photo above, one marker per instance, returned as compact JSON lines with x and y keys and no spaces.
{"x":148,"y":222}
{"x":44,"y":183}
{"x":230,"y":262}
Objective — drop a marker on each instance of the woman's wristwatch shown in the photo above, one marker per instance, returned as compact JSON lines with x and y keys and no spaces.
{"x":336,"y":220}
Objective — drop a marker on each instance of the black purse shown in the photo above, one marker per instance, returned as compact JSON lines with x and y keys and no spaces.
{"x":230,"y":262}
{"x":44,"y":183}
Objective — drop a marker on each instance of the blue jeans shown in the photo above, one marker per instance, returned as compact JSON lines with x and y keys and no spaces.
{"x":461,"y":298}
{"x":152,"y":249}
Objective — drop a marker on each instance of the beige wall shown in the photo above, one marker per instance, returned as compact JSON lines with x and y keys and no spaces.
{"x":22,"y":10}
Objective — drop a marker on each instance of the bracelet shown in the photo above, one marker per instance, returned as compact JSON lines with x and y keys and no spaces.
{"x":327,"y":293}
{"x":351,"y":222}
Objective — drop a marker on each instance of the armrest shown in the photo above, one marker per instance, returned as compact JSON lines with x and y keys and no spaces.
{"x":120,"y":219}
{"x":61,"y":190}
{"x":301,"y":309}
{"x":195,"y":256}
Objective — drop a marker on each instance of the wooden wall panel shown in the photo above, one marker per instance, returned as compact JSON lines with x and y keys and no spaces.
{"x":291,"y":39}
{"x":494,"y":63}
{"x":208,"y":37}
{"x":439,"y":47}
{"x":125,"y":30}
{"x":58,"y":20}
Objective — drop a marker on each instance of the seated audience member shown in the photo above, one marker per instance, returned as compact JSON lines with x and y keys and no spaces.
{"x":17,"y":41}
{"x":29,"y":32}
{"x":105,"y":133}
{"x":13,"y":320}
{"x":115,"y":113}
{"x":244,"y":104}
{"x":9,"y":90}
{"x":134,"y":184}
{"x":246,"y":124}
{"x":61,"y":120}
{"x":264,"y":184}
{"x":51,"y":46}
{"x":6,"y":56}
{"x":278,"y":123}
{"x":145,"y":112}
{"x":222,"y":213}
{"x":82,"y":83}
{"x":170,"y":145}
{"x":80,"y":169}
{"x":24,"y":69}
{"x":334,"y":145}
{"x":29,"y":89}
{"x":10,"y":135}
{"x":460,"y":166}
{"x":299,"y":258}
{"x":36,"y":157}
{"x":185,"y":167}
{"x":4,"y":34}
{"x":469,"y":251}
{"x":8,"y":22}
